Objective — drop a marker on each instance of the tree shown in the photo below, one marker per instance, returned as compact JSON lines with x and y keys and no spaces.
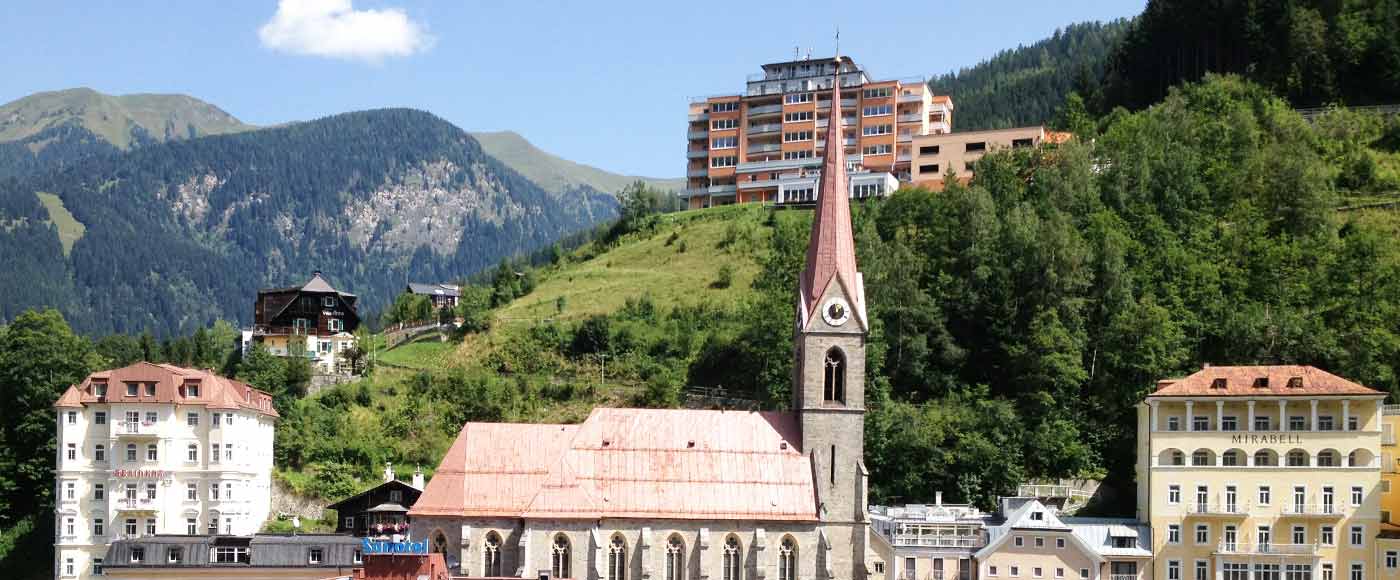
{"x":40,"y":356}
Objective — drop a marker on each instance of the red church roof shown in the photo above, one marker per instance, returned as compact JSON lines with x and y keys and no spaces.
{"x":628,"y":463}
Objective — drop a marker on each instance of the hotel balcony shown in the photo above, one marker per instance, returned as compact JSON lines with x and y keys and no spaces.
{"x":697,"y":153}
{"x":136,"y":504}
{"x":910,"y":118}
{"x":1236,"y":548}
{"x":904,"y":138}
{"x":699,"y":134}
{"x":845,"y":122}
{"x":1326,"y":511}
{"x":697,"y":172}
{"x":137,"y":429}
{"x":1219,"y":510}
{"x":699,"y":117}
{"x":903,"y":158}
{"x":928,"y":541}
{"x":765,"y":110}
{"x":911,"y":98}
{"x":767,"y":148}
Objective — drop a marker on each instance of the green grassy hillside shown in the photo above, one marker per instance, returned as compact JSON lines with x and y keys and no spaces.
{"x":115,"y":118}
{"x":554,"y":173}
{"x":70,"y":230}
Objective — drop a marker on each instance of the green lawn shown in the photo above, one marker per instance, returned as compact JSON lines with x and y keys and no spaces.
{"x":70,"y":230}
{"x":425,"y":353}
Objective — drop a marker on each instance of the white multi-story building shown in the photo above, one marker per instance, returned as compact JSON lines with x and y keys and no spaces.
{"x":157,"y":449}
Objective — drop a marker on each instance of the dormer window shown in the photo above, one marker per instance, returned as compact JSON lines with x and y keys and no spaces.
{"x":1261,"y":383}
{"x":1219,"y":383}
{"x":131,"y":389}
{"x":1038,"y":516}
{"x":150,"y":389}
{"x":1295,"y":382}
{"x":192,"y":390}
{"x":99,"y":389}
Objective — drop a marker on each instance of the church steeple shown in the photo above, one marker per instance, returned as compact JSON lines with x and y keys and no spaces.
{"x":831,"y":252}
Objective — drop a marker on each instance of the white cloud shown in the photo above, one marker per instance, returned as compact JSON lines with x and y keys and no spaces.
{"x":333,"y":28}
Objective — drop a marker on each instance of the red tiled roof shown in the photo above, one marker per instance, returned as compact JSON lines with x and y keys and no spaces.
{"x":831,"y":251}
{"x":215,"y":392}
{"x":1255,"y":381}
{"x":628,"y":463}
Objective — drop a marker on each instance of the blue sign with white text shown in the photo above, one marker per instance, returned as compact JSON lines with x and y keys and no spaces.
{"x":372,"y":547}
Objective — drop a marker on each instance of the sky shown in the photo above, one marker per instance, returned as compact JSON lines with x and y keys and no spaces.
{"x":602,"y":83}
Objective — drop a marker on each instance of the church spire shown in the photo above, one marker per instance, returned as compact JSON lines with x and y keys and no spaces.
{"x":831,"y":252}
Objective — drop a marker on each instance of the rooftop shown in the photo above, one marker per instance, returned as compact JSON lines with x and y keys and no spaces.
{"x":1256,"y":381}
{"x":317,"y":284}
{"x":172,"y":385}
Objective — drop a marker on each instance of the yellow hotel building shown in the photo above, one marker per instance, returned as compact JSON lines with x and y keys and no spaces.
{"x":1262,"y":473}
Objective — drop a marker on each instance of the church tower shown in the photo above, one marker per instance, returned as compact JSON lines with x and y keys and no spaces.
{"x":829,"y":382}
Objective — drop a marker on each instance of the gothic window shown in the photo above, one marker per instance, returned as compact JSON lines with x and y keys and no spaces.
{"x":617,"y":559}
{"x":439,"y":542}
{"x":732,"y":563}
{"x":675,"y":559}
{"x":787,"y":559}
{"x":559,"y":560}
{"x":834,"y":382}
{"x":491,"y":555}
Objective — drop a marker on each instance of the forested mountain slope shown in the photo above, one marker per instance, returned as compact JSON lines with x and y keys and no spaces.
{"x":184,"y":232}
{"x":1027,"y":84}
{"x":557,"y":174}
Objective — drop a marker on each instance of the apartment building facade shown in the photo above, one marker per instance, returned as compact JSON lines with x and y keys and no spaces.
{"x":1033,"y":541}
{"x":937,"y":154}
{"x":152,"y":449}
{"x":1261,"y":473}
{"x":767,"y":143}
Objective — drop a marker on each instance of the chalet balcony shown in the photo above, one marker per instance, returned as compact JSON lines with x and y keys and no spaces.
{"x":1241,"y":549}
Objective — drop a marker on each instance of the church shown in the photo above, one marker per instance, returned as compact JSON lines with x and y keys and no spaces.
{"x":645,"y":494}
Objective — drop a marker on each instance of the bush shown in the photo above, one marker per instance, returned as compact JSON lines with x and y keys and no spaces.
{"x":594,"y":335}
{"x":725,"y":278}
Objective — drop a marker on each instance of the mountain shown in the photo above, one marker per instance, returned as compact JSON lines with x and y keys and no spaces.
{"x":1027,"y":84}
{"x":177,"y":234}
{"x":56,"y":128}
{"x":555,"y":173}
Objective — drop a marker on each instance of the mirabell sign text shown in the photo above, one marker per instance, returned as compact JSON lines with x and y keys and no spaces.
{"x":1267,"y":439}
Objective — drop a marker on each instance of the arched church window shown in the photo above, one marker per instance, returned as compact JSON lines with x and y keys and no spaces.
{"x":787,"y":559}
{"x":732,"y":559}
{"x":439,"y":542}
{"x":491,"y":555}
{"x":617,"y":558}
{"x":559,"y":557}
{"x":675,"y":559}
{"x":834,"y":382}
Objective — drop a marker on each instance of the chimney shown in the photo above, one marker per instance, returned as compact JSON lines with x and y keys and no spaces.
{"x":938,"y":498}
{"x":388,"y":472}
{"x":418,"y":478}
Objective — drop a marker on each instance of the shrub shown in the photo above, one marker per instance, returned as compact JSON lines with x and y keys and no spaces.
{"x":725,"y":278}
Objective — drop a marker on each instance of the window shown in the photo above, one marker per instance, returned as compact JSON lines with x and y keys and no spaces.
{"x":129,"y":526}
{"x":214,"y":490}
{"x":1297,"y":423}
{"x":803,"y":154}
{"x":733,"y":560}
{"x":1229,"y":423}
{"x":359,"y":557}
{"x":490,"y":551}
{"x":1297,"y":458}
{"x":727,"y":161}
{"x":214,"y":420}
{"x":151,"y":452}
{"x":1357,"y":494}
{"x":150,"y":491}
{"x":1020,"y":541}
{"x":1265,"y":495}
{"x":99,"y":453}
{"x":314,"y":555}
{"x":617,"y":559}
{"x":881,"y":149}
{"x":69,"y":528}
{"x":174,"y":554}
{"x":834,"y":380}
{"x":1327,"y":458}
{"x":99,"y":491}
{"x":1173,"y":423}
{"x":228,"y":452}
{"x":1037,"y":572}
{"x":71,"y":451}
{"x":1084,"y":574}
{"x":1173,"y":494}
{"x":68,"y":568}
{"x":1358,"y":571}
{"x":928,"y":168}
{"x":231,"y":555}
{"x":787,"y":559}
{"x":1297,"y":572}
{"x":1200,"y":423}
{"x":1232,"y":458}
{"x":1353,"y":423}
{"x":975,"y":146}
{"x":1327,"y":572}
{"x":192,"y":453}
{"x":97,"y":566}
{"x":1300,"y":535}
{"x":1039,"y":542}
{"x":1018,"y":143}
{"x":1173,"y":570}
{"x":213,"y":524}
{"x":138,"y":555}
{"x":797,"y":136}
{"x":1059,"y":543}
{"x":1200,"y":457}
{"x":797,"y":98}
{"x":1261,"y":424}
{"x":1174,"y":533}
{"x":876,"y":111}
{"x":1326,"y":536}
{"x":192,"y":491}
{"x":559,"y":557}
{"x":724,"y":142}
{"x":675,"y":559}
{"x":991,"y":570}
{"x":70,"y":490}
{"x":1015,"y":570}
{"x":100,"y":417}
{"x":191,"y":526}
{"x":131,"y":491}
{"x":213,"y":453}
{"x":131,"y":389}
{"x":877,"y":93}
{"x":192,"y":390}
{"x":150,"y":389}
{"x":723,"y":124}
{"x":192,"y":419}
{"x":1392,"y":558}
{"x":797,"y":117}
{"x":396,"y":496}
{"x":72,"y":417}
{"x":1059,"y":572}
{"x":150,"y":526}
{"x":1324,"y":423}
{"x":873,"y":130}
{"x":1357,"y":535}
{"x":1202,"y":533}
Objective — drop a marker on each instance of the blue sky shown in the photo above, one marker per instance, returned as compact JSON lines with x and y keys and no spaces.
{"x":603,"y":83}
